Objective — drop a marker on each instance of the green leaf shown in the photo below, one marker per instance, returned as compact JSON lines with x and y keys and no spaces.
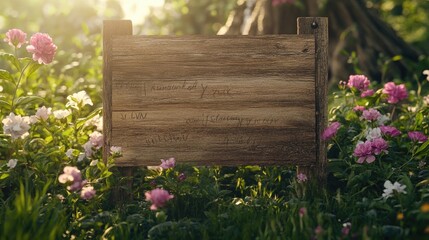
{"x":32,"y":68}
{"x":423,"y":148}
{"x":8,"y":86}
{"x":4,"y":176}
{"x":5,"y":75}
{"x":12,"y":59}
{"x":5,"y":105}
{"x":397,"y":58}
{"x":22,"y":101}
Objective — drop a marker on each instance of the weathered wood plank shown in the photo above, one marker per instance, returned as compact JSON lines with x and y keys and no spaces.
{"x":223,"y":100}
{"x":319,"y":28}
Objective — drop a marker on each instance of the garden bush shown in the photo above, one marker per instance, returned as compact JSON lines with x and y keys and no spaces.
{"x":55,"y":185}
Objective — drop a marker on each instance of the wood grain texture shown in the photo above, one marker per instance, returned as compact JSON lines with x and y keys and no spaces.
{"x":221,"y":100}
{"x":319,"y":28}
{"x":110,"y":28}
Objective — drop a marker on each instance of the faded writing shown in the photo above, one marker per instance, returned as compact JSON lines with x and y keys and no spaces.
{"x":235,"y":120}
{"x":166,"y":138}
{"x":133,"y":115}
{"x":201,"y":90}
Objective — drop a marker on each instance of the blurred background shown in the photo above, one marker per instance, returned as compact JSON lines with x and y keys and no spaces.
{"x":383,"y":39}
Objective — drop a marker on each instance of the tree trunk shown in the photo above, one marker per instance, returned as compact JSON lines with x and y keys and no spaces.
{"x":352,"y":27}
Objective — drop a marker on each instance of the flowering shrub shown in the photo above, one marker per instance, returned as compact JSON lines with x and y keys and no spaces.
{"x":39,"y":141}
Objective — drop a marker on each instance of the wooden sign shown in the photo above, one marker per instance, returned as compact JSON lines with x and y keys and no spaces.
{"x":218,"y":100}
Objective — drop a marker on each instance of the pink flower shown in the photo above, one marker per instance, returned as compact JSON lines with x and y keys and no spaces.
{"x":390,"y":131}
{"x":364,"y":152}
{"x":318,"y":230}
{"x":359,"y":108}
{"x":96,"y":139}
{"x":331,"y":130}
{"x":379,"y":145}
{"x":87,"y":192}
{"x":367,"y":93}
{"x":302,"y":211}
{"x":417,"y":136}
{"x":181,"y":177}
{"x":395,"y":93}
{"x":15,"y":37}
{"x":371,"y":114}
{"x":359,"y":82}
{"x":279,"y":2}
{"x":166,"y":164}
{"x":73,"y":175}
{"x":42,"y":47}
{"x":301,"y":177}
{"x":346,"y":229}
{"x":158,"y":197}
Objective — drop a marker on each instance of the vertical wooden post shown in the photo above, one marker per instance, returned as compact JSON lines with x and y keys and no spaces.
{"x":112,"y":28}
{"x":319,"y":28}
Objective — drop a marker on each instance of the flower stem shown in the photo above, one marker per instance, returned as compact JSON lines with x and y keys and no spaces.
{"x":17,"y":85}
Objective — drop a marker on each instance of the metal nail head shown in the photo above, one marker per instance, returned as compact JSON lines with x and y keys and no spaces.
{"x":314,"y":25}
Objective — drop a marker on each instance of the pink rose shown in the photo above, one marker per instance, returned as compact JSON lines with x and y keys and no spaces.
{"x":42,"y":47}
{"x":15,"y":37}
{"x":359,"y":108}
{"x":379,"y":145}
{"x":331,"y":130}
{"x":367,"y":93}
{"x":158,"y":197}
{"x":87,"y":192}
{"x":364,"y":152}
{"x":359,"y":82}
{"x":390,"y":131}
{"x":394,"y":92}
{"x":371,"y":114}
{"x":417,"y":136}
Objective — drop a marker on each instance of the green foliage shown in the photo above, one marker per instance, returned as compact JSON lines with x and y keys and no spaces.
{"x":408,"y":17}
{"x":38,"y":215}
{"x":188,"y":17}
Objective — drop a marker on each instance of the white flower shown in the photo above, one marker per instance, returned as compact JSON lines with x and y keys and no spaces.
{"x":60,"y":114}
{"x":16,"y":126}
{"x":115,"y":150}
{"x":382,"y":120}
{"x":79,"y":99}
{"x":390,"y":189}
{"x":412,"y":109}
{"x":426,"y":100}
{"x":81,"y":157}
{"x":426,"y":72}
{"x":93,"y":163}
{"x":43,"y":113}
{"x":12,"y":163}
{"x":373,"y":133}
{"x":95,"y":121}
{"x":69,"y":153}
{"x":88,"y":149}
{"x":96,"y":139}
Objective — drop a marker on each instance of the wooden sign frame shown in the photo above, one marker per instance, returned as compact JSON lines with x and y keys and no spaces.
{"x":286,"y":75}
